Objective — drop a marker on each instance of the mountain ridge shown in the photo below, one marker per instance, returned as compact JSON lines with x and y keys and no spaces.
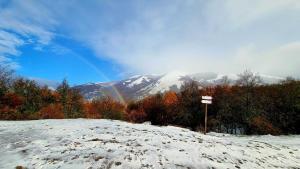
{"x":139,"y":86}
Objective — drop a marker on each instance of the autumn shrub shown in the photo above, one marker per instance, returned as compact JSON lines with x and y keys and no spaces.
{"x":10,"y":102}
{"x":155,"y":109}
{"x":52,"y":111}
{"x":7,"y":113}
{"x":106,"y":108}
{"x":113,"y":109}
{"x":135,"y":112}
{"x":91,"y":110}
{"x":260,"y":125}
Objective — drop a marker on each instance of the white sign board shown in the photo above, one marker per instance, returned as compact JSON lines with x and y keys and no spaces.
{"x":206,"y":101}
{"x":207,"y":97}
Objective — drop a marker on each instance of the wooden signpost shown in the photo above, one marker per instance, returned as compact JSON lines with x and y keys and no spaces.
{"x":206,"y":100}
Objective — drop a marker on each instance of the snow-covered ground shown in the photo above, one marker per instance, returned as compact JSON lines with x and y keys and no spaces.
{"x":84,"y":143}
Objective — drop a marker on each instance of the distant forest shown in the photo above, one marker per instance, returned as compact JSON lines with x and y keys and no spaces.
{"x":247,"y":107}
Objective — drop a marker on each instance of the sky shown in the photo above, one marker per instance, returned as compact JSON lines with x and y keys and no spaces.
{"x":104,"y":40}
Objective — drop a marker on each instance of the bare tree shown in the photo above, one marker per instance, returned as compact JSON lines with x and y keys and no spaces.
{"x":5,"y":78}
{"x":248,"y":81}
{"x":225,"y":81}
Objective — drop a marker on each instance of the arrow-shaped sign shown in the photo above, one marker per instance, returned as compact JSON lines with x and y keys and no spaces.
{"x":206,"y":97}
{"x":206,"y":101}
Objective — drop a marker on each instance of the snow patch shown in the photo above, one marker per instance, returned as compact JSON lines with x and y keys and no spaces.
{"x":139,"y":81}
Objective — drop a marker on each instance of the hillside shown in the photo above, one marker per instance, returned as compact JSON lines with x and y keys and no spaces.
{"x":83,"y":143}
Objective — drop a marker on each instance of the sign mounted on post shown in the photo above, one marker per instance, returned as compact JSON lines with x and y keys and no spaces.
{"x":206,"y":100}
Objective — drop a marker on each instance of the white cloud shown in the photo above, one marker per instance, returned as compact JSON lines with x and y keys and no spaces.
{"x":197,"y":36}
{"x":282,"y":60}
{"x":9,"y":43}
{"x":28,"y":19}
{"x":22,"y":23}
{"x":239,"y":13}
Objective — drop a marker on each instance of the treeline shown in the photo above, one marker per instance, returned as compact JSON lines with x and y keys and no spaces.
{"x":23,"y":99}
{"x":247,"y":107}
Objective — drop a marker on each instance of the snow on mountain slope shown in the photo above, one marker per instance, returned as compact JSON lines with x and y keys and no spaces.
{"x":86,"y":143}
{"x":138,"y":81}
{"x":167,"y":81}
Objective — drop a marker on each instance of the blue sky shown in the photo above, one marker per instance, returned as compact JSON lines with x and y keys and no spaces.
{"x":72,"y":61}
{"x":94,"y":41}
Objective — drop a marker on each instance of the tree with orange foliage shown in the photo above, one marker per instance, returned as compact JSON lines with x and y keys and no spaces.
{"x":170,"y":98}
{"x":171,"y":104}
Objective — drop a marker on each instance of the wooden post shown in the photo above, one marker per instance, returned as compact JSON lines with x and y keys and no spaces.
{"x":205,"y":128}
{"x":206,"y":100}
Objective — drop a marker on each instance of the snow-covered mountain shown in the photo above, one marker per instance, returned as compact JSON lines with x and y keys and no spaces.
{"x":139,"y":86}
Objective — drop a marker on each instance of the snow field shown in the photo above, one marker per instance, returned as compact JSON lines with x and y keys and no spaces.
{"x":87,"y":143}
